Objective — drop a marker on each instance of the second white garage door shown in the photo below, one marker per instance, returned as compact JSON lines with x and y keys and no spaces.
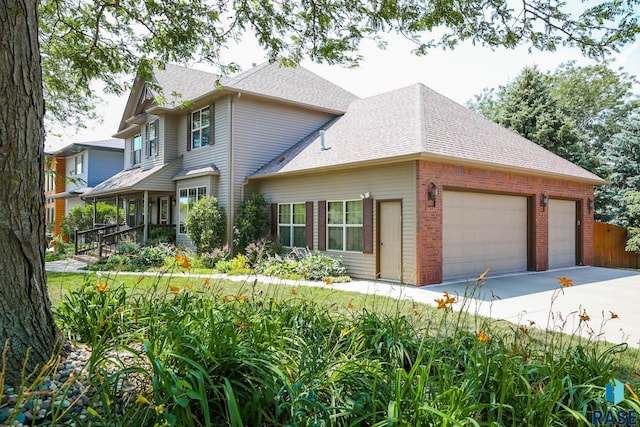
{"x":483,"y":231}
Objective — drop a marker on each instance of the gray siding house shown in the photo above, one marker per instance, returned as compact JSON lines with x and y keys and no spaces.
{"x":405,"y":186}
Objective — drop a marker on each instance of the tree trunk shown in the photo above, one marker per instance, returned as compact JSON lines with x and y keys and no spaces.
{"x":26,"y":319}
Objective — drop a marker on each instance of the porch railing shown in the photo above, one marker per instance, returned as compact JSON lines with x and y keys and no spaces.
{"x":108,"y":242}
{"x":87,"y":240}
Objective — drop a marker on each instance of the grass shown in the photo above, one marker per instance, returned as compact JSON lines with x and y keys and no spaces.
{"x":221,"y":352}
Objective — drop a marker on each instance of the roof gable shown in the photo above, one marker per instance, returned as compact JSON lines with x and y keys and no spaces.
{"x":417,"y":122}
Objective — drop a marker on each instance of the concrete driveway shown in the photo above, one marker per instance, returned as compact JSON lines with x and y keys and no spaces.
{"x":538,"y":297}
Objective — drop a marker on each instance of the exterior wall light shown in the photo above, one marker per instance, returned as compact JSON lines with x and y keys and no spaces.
{"x":366,"y":195}
{"x":544,"y":201}
{"x":590,"y":205}
{"x":432,"y":192}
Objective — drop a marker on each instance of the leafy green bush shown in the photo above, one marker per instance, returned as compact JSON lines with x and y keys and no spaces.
{"x":237,"y":265}
{"x":162,"y":235}
{"x":196,"y":356}
{"x":263,"y":249}
{"x":210,"y":259}
{"x":300,"y":263}
{"x":206,"y":224}
{"x":316,"y":266}
{"x":127,"y":247}
{"x":153,"y":256}
{"x":81,"y":217}
{"x":252,"y":221}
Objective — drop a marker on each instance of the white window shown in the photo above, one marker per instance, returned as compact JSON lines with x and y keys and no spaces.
{"x":188,"y":198}
{"x":136,"y":149}
{"x":291,"y":224}
{"x":78,"y":166}
{"x":200,"y":128}
{"x":152,"y":140}
{"x":344,"y":226}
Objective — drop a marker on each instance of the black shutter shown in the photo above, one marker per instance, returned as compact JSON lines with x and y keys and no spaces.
{"x":274,"y":219}
{"x":322,"y":225}
{"x":308,"y":226}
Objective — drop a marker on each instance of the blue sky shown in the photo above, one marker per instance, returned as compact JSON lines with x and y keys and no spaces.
{"x":458,"y":74}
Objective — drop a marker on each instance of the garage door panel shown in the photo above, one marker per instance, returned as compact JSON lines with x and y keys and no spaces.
{"x":483,"y":231}
{"x":562,"y":233}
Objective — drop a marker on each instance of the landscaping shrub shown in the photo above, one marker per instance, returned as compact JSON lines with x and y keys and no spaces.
{"x":252,"y":221}
{"x":206,"y":224}
{"x":127,"y":247}
{"x":210,"y":259}
{"x":301,"y":263}
{"x":237,"y":265}
{"x":162,"y":235}
{"x":153,"y":256}
{"x":81,"y":217}
{"x":262,"y":249}
{"x":198,"y":356}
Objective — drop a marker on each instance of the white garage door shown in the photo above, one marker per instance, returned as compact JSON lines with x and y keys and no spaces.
{"x":483,"y":231}
{"x":562,"y":233}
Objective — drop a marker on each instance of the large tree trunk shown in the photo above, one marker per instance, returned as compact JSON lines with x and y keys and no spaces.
{"x":26,"y":320}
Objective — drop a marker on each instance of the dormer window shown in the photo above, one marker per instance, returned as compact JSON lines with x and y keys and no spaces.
{"x":136,"y":149}
{"x":200,"y":128}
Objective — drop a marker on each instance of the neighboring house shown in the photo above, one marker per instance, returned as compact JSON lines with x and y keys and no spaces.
{"x":74,"y":170}
{"x":407,"y":185}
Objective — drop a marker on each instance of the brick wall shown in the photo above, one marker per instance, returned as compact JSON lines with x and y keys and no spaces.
{"x":450,"y":177}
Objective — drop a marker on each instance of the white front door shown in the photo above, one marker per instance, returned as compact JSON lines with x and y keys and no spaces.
{"x":562,"y":233}
{"x":164,"y":210}
{"x":390,"y":242}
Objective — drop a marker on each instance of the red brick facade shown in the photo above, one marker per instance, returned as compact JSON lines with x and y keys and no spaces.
{"x":449,"y":177}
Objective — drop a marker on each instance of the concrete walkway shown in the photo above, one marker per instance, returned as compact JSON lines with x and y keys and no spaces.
{"x":519,"y":298}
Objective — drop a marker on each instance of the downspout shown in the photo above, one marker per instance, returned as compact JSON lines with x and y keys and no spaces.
{"x":117,"y":213}
{"x":230,"y":198}
{"x":145,"y":233}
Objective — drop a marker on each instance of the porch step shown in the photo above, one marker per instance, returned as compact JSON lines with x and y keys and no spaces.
{"x":88,"y":259}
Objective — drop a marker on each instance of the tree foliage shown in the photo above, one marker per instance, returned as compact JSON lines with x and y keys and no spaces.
{"x":529,"y":107}
{"x":206,"y":225}
{"x":101,"y":40}
{"x":622,"y":152}
{"x":597,"y":98}
{"x":81,"y":217}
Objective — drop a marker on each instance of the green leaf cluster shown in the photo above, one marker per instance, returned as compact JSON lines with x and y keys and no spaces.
{"x":81,"y":217}
{"x":206,"y":224}
{"x":87,"y":41}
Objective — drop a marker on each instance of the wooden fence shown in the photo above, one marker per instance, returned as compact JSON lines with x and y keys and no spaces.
{"x":609,"y":242}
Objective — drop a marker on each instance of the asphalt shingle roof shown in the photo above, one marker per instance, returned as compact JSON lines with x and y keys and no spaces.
{"x":293,"y":84}
{"x":76,"y":147}
{"x":417,"y":121}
